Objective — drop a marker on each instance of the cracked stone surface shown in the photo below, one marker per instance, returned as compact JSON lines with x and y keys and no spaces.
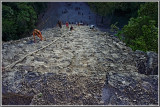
{"x":73,"y":70}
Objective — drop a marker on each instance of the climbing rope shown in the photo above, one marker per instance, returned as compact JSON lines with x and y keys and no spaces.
{"x":20,"y":60}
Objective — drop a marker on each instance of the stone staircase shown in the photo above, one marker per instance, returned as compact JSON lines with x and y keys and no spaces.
{"x":71,"y":71}
{"x":79,"y":50}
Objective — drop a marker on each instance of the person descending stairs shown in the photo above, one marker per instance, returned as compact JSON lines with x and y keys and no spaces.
{"x":38,"y":33}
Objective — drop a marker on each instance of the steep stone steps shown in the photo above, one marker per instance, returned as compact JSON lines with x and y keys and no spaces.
{"x":72,"y":70}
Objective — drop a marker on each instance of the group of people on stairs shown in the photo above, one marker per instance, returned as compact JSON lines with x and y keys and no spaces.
{"x":59,"y":23}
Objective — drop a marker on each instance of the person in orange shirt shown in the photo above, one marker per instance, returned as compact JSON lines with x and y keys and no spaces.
{"x":38,"y":33}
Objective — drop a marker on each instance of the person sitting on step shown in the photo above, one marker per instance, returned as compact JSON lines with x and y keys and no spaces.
{"x":71,"y":28}
{"x":92,"y":27}
{"x":59,"y":23}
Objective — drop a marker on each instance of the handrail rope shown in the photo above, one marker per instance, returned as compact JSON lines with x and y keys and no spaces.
{"x":13,"y":64}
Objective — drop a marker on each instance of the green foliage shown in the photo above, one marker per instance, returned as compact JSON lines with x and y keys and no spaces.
{"x":19,"y":19}
{"x":39,"y":6}
{"x":150,"y":33}
{"x":119,"y":34}
{"x":116,"y":10}
{"x":114,"y":28}
{"x":8,"y":23}
{"x":26,"y":18}
{"x":128,"y":9}
{"x":103,"y":8}
{"x":40,"y":95}
{"x":141,"y":33}
{"x":149,"y":9}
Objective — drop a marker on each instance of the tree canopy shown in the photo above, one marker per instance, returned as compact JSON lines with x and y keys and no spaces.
{"x":141,"y":32}
{"x":19,"y":18}
{"x":114,"y":10}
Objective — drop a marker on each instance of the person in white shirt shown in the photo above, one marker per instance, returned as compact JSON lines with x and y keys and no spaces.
{"x":92,"y":27}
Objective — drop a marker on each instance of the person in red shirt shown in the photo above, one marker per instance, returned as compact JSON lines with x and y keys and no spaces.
{"x":67,"y":24}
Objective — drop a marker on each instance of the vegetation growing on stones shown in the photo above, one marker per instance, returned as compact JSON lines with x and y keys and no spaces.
{"x":141,"y":32}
